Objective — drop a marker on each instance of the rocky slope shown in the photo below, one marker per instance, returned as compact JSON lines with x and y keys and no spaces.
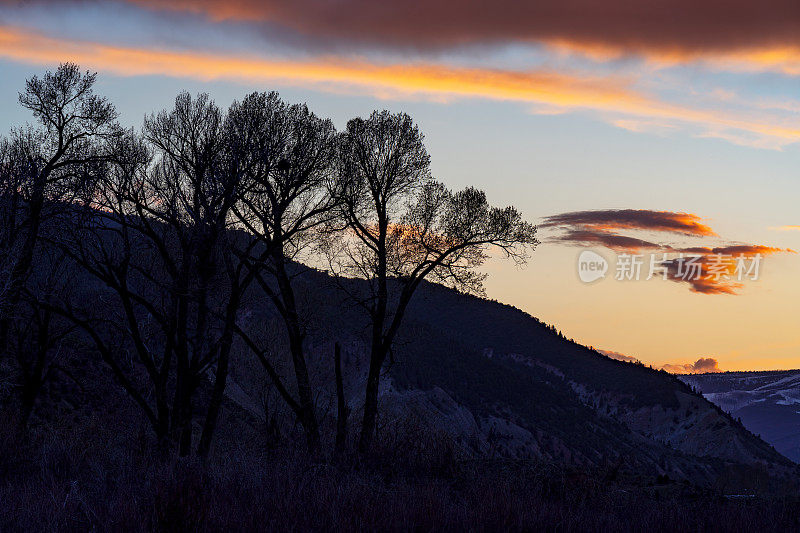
{"x":768,"y":403}
{"x":504,"y":384}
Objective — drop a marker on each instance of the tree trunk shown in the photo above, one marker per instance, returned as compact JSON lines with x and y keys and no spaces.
{"x":185,"y":444}
{"x":19,"y":273}
{"x":220,"y":380}
{"x":182,"y":409}
{"x":379,"y":347}
{"x":162,"y":411}
{"x":308,"y":417}
{"x":214,"y":406}
{"x":30,"y":391}
{"x":342,"y":411}
{"x":34,"y":376}
{"x":371,"y":398}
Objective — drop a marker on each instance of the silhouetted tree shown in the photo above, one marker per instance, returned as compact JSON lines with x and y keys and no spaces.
{"x":150,"y":217}
{"x":42,"y":167}
{"x":156,"y":234}
{"x":189,"y":193}
{"x":288,"y":155}
{"x":404,"y":227}
{"x":46,"y":160}
{"x":126,"y":313}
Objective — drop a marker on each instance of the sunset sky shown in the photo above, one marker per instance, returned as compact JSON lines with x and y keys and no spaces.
{"x":624,"y":129}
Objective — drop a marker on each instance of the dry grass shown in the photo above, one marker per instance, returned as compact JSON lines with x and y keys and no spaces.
{"x":104,"y":480}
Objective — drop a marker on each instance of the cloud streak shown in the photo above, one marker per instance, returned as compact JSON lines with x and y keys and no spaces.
{"x":705,"y":269}
{"x":608,"y":239}
{"x":703,"y":365}
{"x":713,"y":270}
{"x":643,"y":219}
{"x":609,"y":97}
{"x":673,"y":25}
{"x":732,"y":34}
{"x":786,"y":228}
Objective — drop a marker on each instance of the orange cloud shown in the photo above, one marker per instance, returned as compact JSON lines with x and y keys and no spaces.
{"x":710,"y":270}
{"x":706,"y":269}
{"x":643,"y":219}
{"x":735,"y":35}
{"x":786,"y":228}
{"x":704,"y":365}
{"x":569,"y":92}
{"x":619,"y":356}
{"x":747,"y":250}
{"x":608,"y":239}
{"x":784,"y":59}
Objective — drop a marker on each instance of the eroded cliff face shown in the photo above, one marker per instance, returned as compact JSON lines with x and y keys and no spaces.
{"x":694,"y":428}
{"x":518,"y":407}
{"x":691,"y":425}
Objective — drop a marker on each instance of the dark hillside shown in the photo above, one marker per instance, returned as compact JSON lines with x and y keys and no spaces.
{"x":514,"y":386}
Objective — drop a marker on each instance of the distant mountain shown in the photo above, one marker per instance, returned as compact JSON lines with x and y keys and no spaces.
{"x":768,"y":403}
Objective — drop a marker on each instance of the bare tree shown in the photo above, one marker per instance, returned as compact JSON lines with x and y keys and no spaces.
{"x":42,"y":167}
{"x":290,"y":156}
{"x":45,"y":163}
{"x":156,"y":235}
{"x":190,"y":193}
{"x":404,"y":227}
{"x":126,"y":313}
